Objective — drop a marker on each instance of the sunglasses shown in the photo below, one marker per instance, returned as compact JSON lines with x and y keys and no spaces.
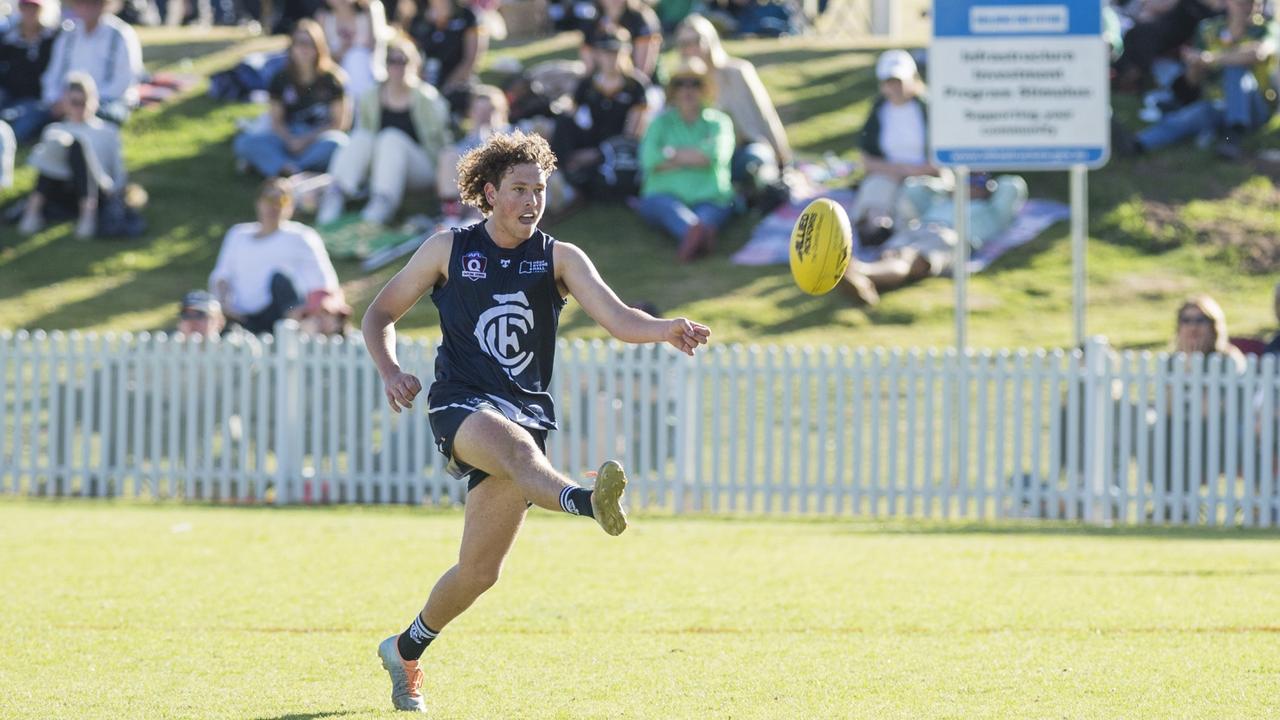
{"x":76,"y":102}
{"x":687,"y":83}
{"x":304,"y":41}
{"x":397,"y":60}
{"x":1194,"y":320}
{"x":194,"y":315}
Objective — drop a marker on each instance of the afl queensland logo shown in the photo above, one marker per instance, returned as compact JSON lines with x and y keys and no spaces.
{"x":473,"y":265}
{"x":501,"y":330}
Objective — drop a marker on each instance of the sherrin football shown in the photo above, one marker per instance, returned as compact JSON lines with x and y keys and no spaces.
{"x":821,"y":245}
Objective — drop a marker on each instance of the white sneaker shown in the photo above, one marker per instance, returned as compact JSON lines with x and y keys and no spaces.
{"x":378,"y":211}
{"x":31,"y":223}
{"x":87,"y":228}
{"x":406,"y":677}
{"x":330,"y":205}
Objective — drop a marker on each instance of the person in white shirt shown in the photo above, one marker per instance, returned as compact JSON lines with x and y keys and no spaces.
{"x":265,"y":269}
{"x":894,"y":146}
{"x":80,"y":164}
{"x":104,"y":47}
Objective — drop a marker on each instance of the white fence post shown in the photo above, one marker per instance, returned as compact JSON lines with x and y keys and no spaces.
{"x":1097,"y":479}
{"x":288,"y":410}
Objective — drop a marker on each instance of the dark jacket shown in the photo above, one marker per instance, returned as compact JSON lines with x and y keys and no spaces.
{"x":22,"y":63}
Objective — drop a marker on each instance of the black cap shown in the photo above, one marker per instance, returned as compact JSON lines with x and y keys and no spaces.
{"x":608,"y":39}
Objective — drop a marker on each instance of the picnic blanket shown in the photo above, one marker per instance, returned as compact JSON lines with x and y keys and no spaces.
{"x":768,"y":243}
{"x":165,"y":86}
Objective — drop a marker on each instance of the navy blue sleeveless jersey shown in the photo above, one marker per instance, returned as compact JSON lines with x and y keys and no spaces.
{"x":499,"y":311}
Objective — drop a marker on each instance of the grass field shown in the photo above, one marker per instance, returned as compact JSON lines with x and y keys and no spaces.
{"x":168,"y":611}
{"x":1161,"y":228}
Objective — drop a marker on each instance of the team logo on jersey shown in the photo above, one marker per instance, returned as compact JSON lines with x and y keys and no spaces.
{"x":502,"y":330}
{"x":529,"y":267}
{"x":505,"y":263}
{"x":473,"y":265}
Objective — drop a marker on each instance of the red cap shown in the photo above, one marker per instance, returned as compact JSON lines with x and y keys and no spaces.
{"x":37,"y":3}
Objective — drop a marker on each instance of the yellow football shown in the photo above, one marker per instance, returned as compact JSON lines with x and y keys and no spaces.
{"x":821,"y":246}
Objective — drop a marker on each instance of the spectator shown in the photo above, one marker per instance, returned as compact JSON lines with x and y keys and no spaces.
{"x":25,"y":51}
{"x":762,"y":145}
{"x":8,"y":146}
{"x":486,"y":116}
{"x":404,"y":124}
{"x":894,"y":144}
{"x":1273,"y":346}
{"x":104,"y":47}
{"x":356,"y":31}
{"x":924,"y":245}
{"x":265,"y":269}
{"x":325,"y":312}
{"x":1202,"y":328}
{"x":642,"y":26}
{"x":1233,"y":58}
{"x":200,"y":313}
{"x":1161,"y":27}
{"x":685,"y":156}
{"x":609,"y":102}
{"x":452,"y":42}
{"x":79,"y":161}
{"x":309,"y":111}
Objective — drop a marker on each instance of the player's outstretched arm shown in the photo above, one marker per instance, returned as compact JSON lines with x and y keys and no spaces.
{"x":575,"y":271}
{"x":428,"y":267}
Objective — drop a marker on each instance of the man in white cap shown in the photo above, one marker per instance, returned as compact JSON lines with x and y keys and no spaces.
{"x":893,"y":144}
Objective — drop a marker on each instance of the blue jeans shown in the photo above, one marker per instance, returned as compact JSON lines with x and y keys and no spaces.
{"x":674,"y":216}
{"x":27,"y":116}
{"x":267,"y":153}
{"x":1242,"y":105}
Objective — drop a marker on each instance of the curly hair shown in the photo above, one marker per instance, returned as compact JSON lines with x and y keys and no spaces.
{"x":493,"y":160}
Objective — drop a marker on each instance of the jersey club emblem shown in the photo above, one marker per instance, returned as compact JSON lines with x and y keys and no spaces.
{"x":501,"y":330}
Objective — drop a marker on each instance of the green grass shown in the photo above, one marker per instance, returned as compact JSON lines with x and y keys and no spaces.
{"x":126,"y":610}
{"x":1161,"y":228}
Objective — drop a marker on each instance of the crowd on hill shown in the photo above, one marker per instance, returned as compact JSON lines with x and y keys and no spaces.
{"x":383,"y":100}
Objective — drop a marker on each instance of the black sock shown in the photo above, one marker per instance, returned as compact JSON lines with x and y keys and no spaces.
{"x":414,"y":641}
{"x":576,"y":501}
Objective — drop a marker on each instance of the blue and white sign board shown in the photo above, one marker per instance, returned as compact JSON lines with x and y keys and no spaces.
{"x":1019,"y":84}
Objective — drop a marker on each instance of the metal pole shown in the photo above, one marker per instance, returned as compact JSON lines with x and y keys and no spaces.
{"x":1079,"y":226}
{"x":960,"y":269}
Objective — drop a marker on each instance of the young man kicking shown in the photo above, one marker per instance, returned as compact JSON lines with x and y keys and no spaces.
{"x":499,"y":286}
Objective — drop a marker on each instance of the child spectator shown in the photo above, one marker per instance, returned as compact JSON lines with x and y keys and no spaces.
{"x":325,"y":312}
{"x":452,"y":42}
{"x":356,"y":31}
{"x":404,"y":125}
{"x":266,"y":268}
{"x":309,"y":111}
{"x":762,"y":146}
{"x":608,"y":103}
{"x":685,"y":157}
{"x":200,"y":313}
{"x":924,"y":244}
{"x":102,"y":46}
{"x":25,"y":51}
{"x":79,"y":161}
{"x":1233,"y":59}
{"x":894,"y":144}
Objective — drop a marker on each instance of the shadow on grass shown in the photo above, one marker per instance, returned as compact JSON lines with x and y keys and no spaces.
{"x":161,"y":55}
{"x":309,"y":716}
{"x":1073,"y":529}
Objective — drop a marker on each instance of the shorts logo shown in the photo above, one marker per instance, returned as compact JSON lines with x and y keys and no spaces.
{"x":473,"y":265}
{"x":503,"y":329}
{"x":529,"y":267}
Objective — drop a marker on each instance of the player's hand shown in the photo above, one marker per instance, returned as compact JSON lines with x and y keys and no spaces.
{"x":401,"y":389}
{"x":686,"y":335}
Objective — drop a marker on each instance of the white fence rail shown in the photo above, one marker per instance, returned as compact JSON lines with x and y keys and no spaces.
{"x":1094,"y":435}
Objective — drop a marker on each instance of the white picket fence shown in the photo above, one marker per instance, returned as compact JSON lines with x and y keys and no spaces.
{"x":1096,"y":436}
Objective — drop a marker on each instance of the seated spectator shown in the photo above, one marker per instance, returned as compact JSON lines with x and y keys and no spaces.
{"x":309,"y":111}
{"x":894,"y":144}
{"x":104,"y":47}
{"x":486,"y":116}
{"x":356,"y":31}
{"x":1160,"y":27}
{"x":608,"y":103}
{"x":404,"y":125}
{"x":685,"y":157}
{"x":200,"y":313}
{"x":325,"y":312}
{"x":8,"y":146}
{"x":762,"y":145}
{"x":452,"y":42}
{"x":1202,"y":328}
{"x":79,"y":161}
{"x":1233,"y":59}
{"x":265,"y":269}
{"x":924,"y":244}
{"x":25,"y":51}
{"x":642,"y":26}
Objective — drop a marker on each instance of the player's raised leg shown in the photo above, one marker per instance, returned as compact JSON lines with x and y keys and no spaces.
{"x":494,"y":513}
{"x":489,"y":441}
